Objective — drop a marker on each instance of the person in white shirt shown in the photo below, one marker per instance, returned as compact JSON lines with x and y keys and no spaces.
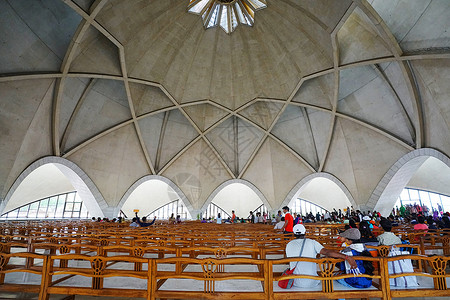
{"x":279,"y":225}
{"x":219,"y":219}
{"x":134,"y":223}
{"x":310,"y":249}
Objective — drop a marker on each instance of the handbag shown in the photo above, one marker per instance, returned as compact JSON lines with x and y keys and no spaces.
{"x":401,"y":266}
{"x":288,"y":283}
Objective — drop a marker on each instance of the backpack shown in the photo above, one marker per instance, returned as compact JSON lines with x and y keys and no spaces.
{"x":368,"y":265}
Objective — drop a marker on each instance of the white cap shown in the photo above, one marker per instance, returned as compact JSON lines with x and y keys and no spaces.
{"x":366,"y":218}
{"x":299,"y":229}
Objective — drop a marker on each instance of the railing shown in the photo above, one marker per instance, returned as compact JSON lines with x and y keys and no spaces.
{"x":175,"y":207}
{"x":58,"y":206}
{"x":213,"y":210}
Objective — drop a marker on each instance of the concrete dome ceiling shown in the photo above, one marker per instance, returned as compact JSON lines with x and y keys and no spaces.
{"x":126,"y":89}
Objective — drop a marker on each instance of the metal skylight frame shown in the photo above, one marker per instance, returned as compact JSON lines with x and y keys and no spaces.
{"x":226,"y":13}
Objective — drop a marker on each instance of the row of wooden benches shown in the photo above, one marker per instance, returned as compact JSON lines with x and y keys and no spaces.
{"x":160,"y":278}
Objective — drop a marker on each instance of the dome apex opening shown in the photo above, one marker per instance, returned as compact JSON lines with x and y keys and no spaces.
{"x":227,"y":14}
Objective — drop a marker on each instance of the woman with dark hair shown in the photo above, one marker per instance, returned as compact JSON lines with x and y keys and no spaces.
{"x":431,"y":224}
{"x":366,"y":233}
{"x":351,"y":223}
{"x":446,"y":221}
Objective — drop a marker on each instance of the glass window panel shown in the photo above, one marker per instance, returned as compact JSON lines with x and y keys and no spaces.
{"x":224,"y":19}
{"x":240,"y":15}
{"x":24,"y":209}
{"x":32,"y":212}
{"x":67,"y":214}
{"x":43,"y":203}
{"x":214,"y":18}
{"x":404,"y":195}
{"x":77,"y":206}
{"x":445,"y":203}
{"x":70,"y":197}
{"x":34,"y":205}
{"x":197,"y":8}
{"x":23,"y":212}
{"x":53,"y":201}
{"x":59,"y":209}
{"x":414,"y":195}
{"x":69,"y":206}
{"x":257,"y":4}
{"x":435,"y":200}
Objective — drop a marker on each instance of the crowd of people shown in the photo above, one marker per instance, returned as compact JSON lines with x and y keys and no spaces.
{"x":359,"y":232}
{"x":420,"y":216}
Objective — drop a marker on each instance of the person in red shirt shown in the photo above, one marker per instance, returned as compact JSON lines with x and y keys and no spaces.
{"x":288,"y":221}
{"x":233,"y":217}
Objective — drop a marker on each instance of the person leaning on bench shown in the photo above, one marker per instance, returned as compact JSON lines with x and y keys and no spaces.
{"x":351,"y":237}
{"x":309,"y":248}
{"x":144,"y":223}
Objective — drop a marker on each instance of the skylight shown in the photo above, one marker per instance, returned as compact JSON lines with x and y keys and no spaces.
{"x":226,"y":13}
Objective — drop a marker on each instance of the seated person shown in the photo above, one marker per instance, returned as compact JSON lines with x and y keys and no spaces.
{"x":144,"y":223}
{"x":134,"y":223}
{"x":421,"y":224}
{"x":388,"y":238}
{"x":279,"y":225}
{"x":366,"y":233}
{"x":351,"y":237}
{"x":309,"y":248}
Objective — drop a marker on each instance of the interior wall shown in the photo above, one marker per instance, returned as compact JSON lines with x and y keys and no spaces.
{"x":324,"y":192}
{"x":433,"y":175}
{"x":149,"y":196}
{"x":45,"y":181}
{"x":237,"y":197}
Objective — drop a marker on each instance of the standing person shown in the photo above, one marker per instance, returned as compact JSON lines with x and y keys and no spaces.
{"x":233,"y":217}
{"x":172,"y":219}
{"x":251,"y":217}
{"x":318,"y":217}
{"x":288,"y":221}
{"x":309,"y":248}
{"x":219,"y":219}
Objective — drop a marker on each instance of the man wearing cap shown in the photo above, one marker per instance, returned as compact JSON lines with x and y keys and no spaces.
{"x":309,"y":248}
{"x":351,"y":237}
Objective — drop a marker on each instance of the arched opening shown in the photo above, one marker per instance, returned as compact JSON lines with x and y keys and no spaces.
{"x":155,"y":196}
{"x":319,"y":192}
{"x":422,"y":171}
{"x":237,"y":195}
{"x":52,"y":177}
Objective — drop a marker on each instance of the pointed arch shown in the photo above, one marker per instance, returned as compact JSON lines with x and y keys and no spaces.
{"x":397,"y":177}
{"x":300,"y":186}
{"x":232,"y":181}
{"x":86,"y":188}
{"x":166,"y":180}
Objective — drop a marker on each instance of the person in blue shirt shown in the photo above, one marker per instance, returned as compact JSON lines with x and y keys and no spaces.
{"x":351,"y":237}
{"x":144,"y":223}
